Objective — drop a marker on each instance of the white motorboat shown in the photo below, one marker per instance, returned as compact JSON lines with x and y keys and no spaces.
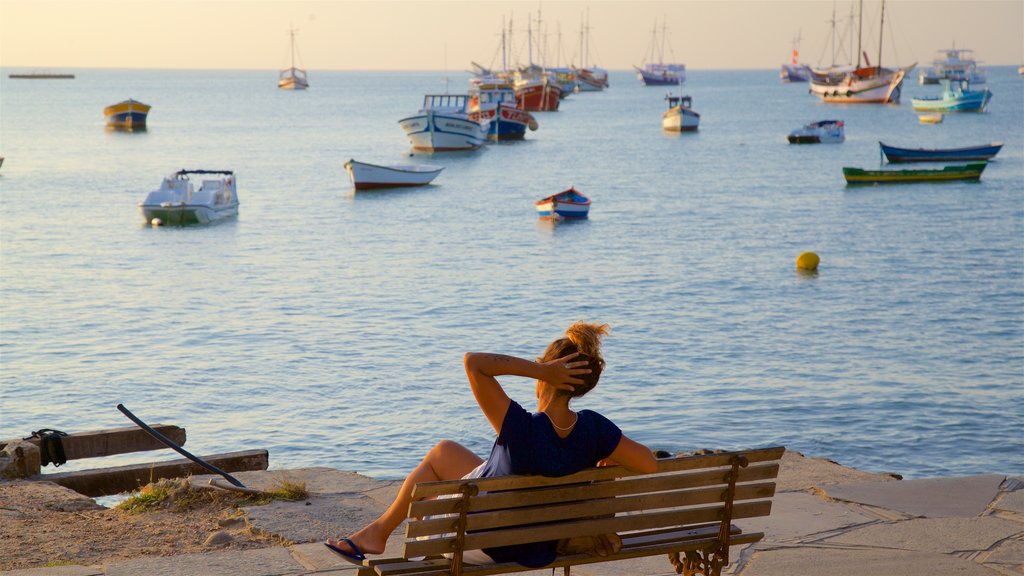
{"x":176,"y":202}
{"x":956,"y":64}
{"x":443,"y":124}
{"x":679,"y":117}
{"x":372,"y":176}
{"x":821,"y":132}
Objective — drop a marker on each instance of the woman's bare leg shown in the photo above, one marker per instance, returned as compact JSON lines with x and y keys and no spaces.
{"x":446,"y":461}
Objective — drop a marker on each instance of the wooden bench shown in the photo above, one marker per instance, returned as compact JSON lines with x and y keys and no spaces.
{"x":686,"y":507}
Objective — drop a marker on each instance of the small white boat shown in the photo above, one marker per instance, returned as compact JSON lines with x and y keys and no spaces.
{"x":821,"y":132}
{"x":679,"y":117}
{"x":443,"y":124}
{"x":371,"y":176}
{"x":176,"y":202}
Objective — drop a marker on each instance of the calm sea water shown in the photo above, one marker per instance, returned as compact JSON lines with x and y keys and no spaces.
{"x":329,"y":326}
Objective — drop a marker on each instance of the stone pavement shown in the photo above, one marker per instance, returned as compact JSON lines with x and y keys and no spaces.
{"x":826,"y":520}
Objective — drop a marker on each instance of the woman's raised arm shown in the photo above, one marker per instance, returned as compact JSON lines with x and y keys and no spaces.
{"x":483,"y":368}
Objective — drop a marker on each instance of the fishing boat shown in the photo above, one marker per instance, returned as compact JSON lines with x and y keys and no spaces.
{"x":955,"y":64}
{"x":499,"y":107}
{"x":679,"y":117}
{"x":956,"y":97}
{"x":536,"y":90}
{"x":820,"y":132}
{"x":176,"y":202}
{"x":292,"y":78}
{"x":964,"y":154}
{"x":865,"y":84}
{"x":372,"y":176}
{"x":129,"y":114}
{"x":443,"y":124}
{"x":948,"y":173}
{"x":566,"y":205}
{"x":659,"y":73}
{"x":590,"y":78}
{"x":930,"y":118}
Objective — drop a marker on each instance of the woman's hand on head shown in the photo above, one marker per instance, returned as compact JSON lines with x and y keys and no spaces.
{"x":562,"y":372}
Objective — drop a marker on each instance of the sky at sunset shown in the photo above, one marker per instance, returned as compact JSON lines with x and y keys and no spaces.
{"x":441,"y":35}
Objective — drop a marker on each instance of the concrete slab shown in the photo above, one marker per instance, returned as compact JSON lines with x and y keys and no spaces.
{"x":316,"y":557}
{"x":262,"y":562}
{"x":315,"y":519}
{"x":841,"y":562}
{"x":1010,"y":502}
{"x":70,"y":570}
{"x":802,"y":517}
{"x":941,"y":535}
{"x":316,"y":480}
{"x":932,"y":498}
{"x":798,"y":472}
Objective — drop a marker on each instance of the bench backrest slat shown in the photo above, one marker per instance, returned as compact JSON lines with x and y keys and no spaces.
{"x":603,"y":489}
{"x":588,"y":527}
{"x":431,"y":489}
{"x":590,"y":509}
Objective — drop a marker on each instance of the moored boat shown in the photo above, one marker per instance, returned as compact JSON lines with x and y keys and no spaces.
{"x":948,"y":173}
{"x":679,"y":117}
{"x":129,"y":114}
{"x":499,"y":107}
{"x":956,"y":97}
{"x":967,"y":153}
{"x":659,"y":73}
{"x":292,"y":78}
{"x":372,"y":176}
{"x":569,"y":204}
{"x":536,"y":90}
{"x":443,"y":124}
{"x":176,"y":202}
{"x":794,"y":71}
{"x":935,"y":118}
{"x":956,"y":64}
{"x":820,"y":132}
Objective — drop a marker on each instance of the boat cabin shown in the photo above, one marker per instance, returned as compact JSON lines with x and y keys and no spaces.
{"x":445,"y":102}
{"x":682,"y":101}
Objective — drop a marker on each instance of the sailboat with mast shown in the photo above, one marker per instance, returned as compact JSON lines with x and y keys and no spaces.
{"x":659,"y":73}
{"x":589,"y":78}
{"x":292,"y":78}
{"x":536,"y":88}
{"x":865,"y":84}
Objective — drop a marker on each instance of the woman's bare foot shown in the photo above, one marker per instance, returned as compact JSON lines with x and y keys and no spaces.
{"x":368,"y":541}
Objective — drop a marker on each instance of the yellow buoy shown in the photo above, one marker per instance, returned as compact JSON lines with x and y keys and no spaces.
{"x":807,"y":261}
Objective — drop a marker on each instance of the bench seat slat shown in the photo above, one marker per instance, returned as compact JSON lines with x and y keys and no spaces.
{"x":621,"y":487}
{"x":589,"y":509}
{"x":557,"y":530}
{"x":430,"y":489}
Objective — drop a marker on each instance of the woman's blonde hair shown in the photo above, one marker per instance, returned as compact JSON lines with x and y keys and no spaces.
{"x":586,"y":339}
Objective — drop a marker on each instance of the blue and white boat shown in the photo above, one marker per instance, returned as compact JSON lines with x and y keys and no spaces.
{"x":568,"y":204}
{"x":956,"y":64}
{"x":820,"y":132}
{"x":659,"y":73}
{"x":498,"y":106}
{"x":956,"y":97}
{"x":443,"y":124}
{"x":986,"y":152}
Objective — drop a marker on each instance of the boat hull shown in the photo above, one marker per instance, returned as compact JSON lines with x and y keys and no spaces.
{"x":965,"y":154}
{"x":680,"y":120}
{"x":970,"y":101}
{"x":946,"y":174}
{"x":823,"y":132}
{"x":443,"y":132}
{"x":795,"y":73}
{"x":506,"y":122}
{"x":860,"y":88}
{"x":567,"y":205}
{"x":373,"y":177}
{"x":181,"y":214}
{"x":538,"y":96}
{"x":127,"y":114}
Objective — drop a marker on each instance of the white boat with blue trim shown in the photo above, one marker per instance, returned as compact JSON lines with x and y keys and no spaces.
{"x":679,"y":117}
{"x":176,"y":202}
{"x":443,"y":124}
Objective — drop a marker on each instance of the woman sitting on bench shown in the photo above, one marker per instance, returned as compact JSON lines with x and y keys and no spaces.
{"x":553,"y":441}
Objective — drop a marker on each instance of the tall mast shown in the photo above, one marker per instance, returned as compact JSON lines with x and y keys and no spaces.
{"x":664,"y":32}
{"x":833,"y":33}
{"x":881,"y":34}
{"x":860,"y":31}
{"x":529,"y":38}
{"x":292,"y":32}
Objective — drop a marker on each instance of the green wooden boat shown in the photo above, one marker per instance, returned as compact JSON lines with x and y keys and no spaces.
{"x":966,"y":172}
